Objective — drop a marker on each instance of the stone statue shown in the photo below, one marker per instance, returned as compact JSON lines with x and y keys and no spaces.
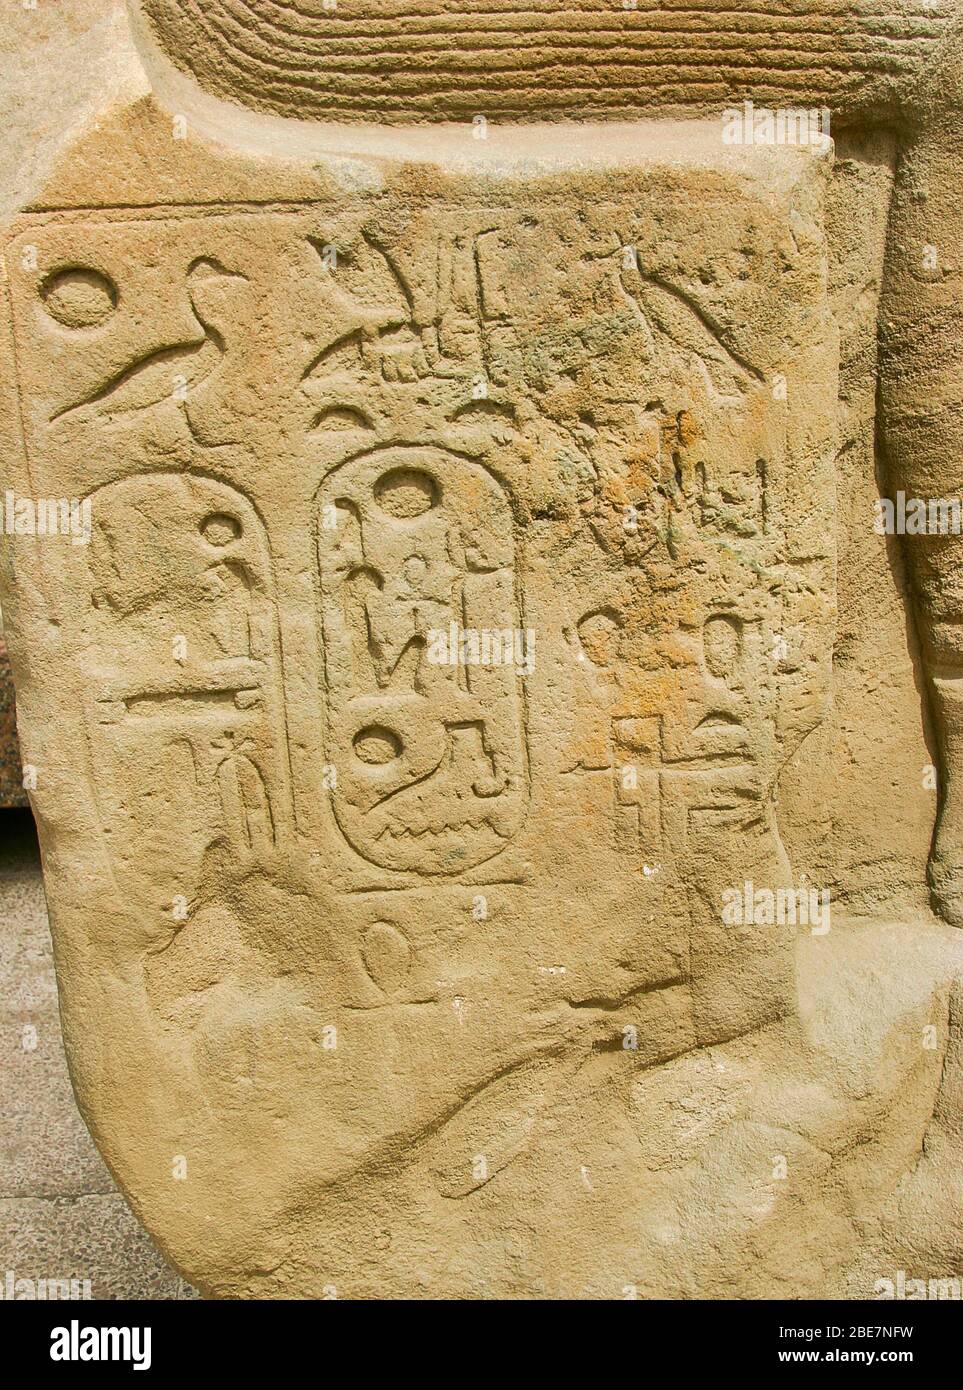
{"x":481,"y":528}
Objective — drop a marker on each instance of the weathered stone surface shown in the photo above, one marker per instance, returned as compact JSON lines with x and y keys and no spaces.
{"x":448,"y":59}
{"x":395,"y":958}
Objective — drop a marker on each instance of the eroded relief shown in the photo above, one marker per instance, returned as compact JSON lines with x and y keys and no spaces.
{"x":489,"y":544}
{"x":500,"y":792}
{"x":416,"y":548}
{"x":445,"y":631}
{"x":180,"y":627}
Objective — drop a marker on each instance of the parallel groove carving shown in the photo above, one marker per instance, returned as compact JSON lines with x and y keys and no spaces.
{"x":438,"y":61}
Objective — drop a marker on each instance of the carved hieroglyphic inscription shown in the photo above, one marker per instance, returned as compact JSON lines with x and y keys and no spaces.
{"x":406,"y":435}
{"x":416,"y":547}
{"x":455,"y":639}
{"x":342,"y":461}
{"x":180,"y":627}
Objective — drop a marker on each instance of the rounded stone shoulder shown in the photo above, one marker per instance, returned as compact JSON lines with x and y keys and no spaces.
{"x":442,"y":60}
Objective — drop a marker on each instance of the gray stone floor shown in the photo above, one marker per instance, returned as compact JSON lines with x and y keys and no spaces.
{"x":61,"y":1217}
